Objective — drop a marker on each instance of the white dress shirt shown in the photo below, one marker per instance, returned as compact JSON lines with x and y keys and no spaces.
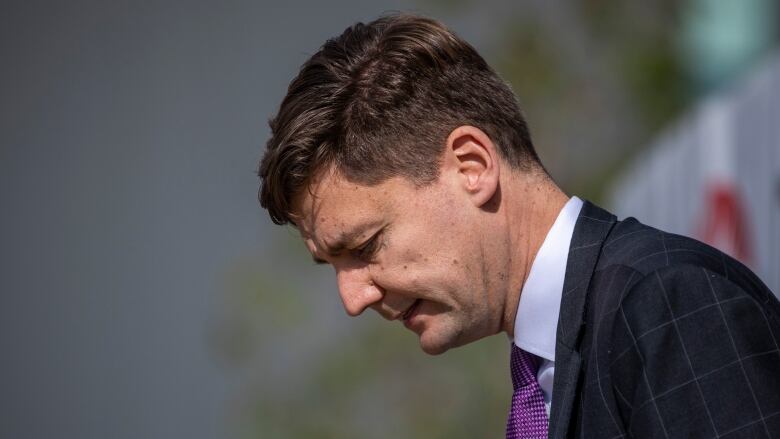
{"x":536,"y":322}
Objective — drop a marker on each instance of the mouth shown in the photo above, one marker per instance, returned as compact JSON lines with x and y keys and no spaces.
{"x":409,"y":311}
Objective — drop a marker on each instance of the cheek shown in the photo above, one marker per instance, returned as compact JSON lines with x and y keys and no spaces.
{"x":432,"y":253}
{"x":439,"y":276}
{"x":414,"y":271}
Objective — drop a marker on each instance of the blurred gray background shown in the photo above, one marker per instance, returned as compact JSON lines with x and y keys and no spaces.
{"x":144,"y":293}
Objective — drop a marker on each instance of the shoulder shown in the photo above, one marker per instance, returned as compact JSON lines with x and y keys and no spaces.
{"x":652,"y":255}
{"x":658,"y":279}
{"x":691,"y":296}
{"x":649,"y":274}
{"x":690,"y":350}
{"x":683,"y":338}
{"x":683,"y":303}
{"x":645,"y":249}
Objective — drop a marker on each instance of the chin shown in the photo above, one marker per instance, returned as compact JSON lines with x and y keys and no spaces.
{"x":436,"y":344}
{"x":434,"y":349}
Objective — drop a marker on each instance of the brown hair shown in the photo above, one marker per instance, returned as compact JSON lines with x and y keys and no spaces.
{"x":379,"y":101}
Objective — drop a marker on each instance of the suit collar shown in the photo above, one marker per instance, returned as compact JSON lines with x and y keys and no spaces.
{"x":592,"y":227}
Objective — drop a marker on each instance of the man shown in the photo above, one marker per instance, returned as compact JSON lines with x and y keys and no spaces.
{"x":405,"y":163}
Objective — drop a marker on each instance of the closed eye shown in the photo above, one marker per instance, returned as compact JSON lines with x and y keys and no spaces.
{"x":369,"y":248}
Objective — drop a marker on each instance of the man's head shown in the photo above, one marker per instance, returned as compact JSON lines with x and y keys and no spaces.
{"x":387,"y":155}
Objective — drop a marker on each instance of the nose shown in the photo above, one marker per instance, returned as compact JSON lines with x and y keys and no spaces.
{"x":357,"y":290}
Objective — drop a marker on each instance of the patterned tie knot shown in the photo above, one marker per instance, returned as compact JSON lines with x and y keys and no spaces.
{"x":524,"y":367}
{"x":527,"y":417}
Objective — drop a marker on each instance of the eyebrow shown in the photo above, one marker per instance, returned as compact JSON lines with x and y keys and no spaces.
{"x":345,"y":239}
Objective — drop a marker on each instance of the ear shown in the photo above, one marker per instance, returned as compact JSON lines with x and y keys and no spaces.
{"x":474,"y":158}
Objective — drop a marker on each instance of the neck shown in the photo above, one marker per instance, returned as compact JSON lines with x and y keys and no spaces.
{"x":533,"y":204}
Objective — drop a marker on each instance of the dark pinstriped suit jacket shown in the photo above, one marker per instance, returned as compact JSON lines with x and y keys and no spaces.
{"x":662,"y":336}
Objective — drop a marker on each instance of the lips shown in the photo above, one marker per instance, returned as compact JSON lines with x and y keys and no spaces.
{"x":409,"y":311}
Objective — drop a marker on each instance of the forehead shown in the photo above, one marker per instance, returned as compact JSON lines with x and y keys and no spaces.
{"x":331,"y":204}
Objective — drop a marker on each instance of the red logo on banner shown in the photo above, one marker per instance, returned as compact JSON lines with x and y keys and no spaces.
{"x":725,"y":224}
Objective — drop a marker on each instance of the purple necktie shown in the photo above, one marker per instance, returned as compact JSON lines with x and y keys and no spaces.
{"x":527,"y":418}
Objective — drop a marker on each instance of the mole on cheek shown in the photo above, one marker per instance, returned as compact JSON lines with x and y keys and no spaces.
{"x":454,"y":262}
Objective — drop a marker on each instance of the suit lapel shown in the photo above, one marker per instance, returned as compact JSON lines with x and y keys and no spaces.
{"x":592,"y":227}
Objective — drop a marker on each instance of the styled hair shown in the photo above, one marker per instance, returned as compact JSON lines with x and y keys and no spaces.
{"x":379,"y":101}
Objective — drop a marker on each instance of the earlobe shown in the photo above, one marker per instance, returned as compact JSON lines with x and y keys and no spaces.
{"x":475,"y":159}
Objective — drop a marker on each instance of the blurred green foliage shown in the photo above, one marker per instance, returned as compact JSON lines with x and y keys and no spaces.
{"x":596,"y":79}
{"x":375,"y":383}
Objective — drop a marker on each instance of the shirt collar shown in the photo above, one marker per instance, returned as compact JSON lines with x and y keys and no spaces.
{"x":536,"y":321}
